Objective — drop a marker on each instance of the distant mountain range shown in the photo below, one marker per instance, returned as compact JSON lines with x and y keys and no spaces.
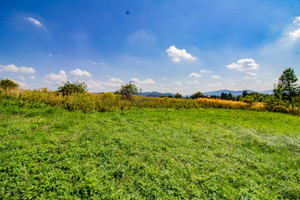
{"x":217,"y":93}
{"x":234,"y":93}
{"x":155,"y":94}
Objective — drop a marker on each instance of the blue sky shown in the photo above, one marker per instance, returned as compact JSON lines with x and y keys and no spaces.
{"x":161,"y":45}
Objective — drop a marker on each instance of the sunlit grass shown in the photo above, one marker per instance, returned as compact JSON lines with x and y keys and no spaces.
{"x":51,"y":153}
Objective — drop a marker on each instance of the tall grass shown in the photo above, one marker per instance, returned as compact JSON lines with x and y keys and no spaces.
{"x":110,"y":102}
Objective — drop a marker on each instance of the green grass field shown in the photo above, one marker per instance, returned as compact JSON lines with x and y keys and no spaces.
{"x":51,"y":153}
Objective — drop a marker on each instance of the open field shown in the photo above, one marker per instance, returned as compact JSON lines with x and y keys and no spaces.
{"x":205,"y":153}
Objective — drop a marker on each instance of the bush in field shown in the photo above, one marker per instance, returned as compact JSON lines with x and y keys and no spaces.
{"x":8,"y":84}
{"x":178,"y":95}
{"x":197,"y":95}
{"x":70,"y":88}
{"x":128,"y":90}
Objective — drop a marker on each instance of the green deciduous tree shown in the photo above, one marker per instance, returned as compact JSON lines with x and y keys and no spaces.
{"x":8,"y":84}
{"x":197,"y":95}
{"x":69,"y":88}
{"x":230,"y":96}
{"x":178,"y":95}
{"x":224,"y":95}
{"x":128,"y":90}
{"x":287,"y":87}
{"x":245,"y":93}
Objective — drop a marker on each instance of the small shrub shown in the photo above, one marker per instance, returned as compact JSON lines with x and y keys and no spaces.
{"x":8,"y":84}
{"x":69,"y":88}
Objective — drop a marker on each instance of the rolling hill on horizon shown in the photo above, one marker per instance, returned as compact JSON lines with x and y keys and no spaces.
{"x":217,"y":93}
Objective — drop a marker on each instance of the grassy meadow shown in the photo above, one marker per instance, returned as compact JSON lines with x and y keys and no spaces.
{"x":205,"y":153}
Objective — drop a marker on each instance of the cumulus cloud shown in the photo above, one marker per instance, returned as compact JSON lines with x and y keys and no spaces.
{"x":203,"y":71}
{"x":112,"y":83}
{"x":250,"y":76}
{"x":80,"y":73}
{"x":56,"y":78}
{"x":34,"y":21}
{"x":144,"y":82}
{"x":95,"y":85}
{"x":22,"y":85}
{"x":195,"y":75}
{"x":31,"y":77}
{"x":179,"y":54}
{"x":295,"y":34}
{"x":297,"y":20}
{"x":13,"y":68}
{"x":26,"y":70}
{"x":215,"y":76}
{"x":244,"y":65}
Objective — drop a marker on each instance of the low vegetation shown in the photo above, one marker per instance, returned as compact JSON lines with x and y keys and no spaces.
{"x":69,"y":88}
{"x":50,"y":153}
{"x":109,"y":101}
{"x":8,"y":84}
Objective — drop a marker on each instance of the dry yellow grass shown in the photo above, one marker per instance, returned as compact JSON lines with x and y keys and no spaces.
{"x":109,"y":101}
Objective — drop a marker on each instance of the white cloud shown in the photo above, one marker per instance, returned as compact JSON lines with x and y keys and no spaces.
{"x":244,"y":65}
{"x":13,"y":68}
{"x":179,"y":54}
{"x":22,"y":78}
{"x":22,"y":85}
{"x":250,"y":76}
{"x":215,"y":76}
{"x":34,"y":21}
{"x":192,"y":82}
{"x":56,"y":78}
{"x":295,"y":34}
{"x":178,"y":83}
{"x":297,"y":20}
{"x":203,"y":71}
{"x":195,"y":75}
{"x":114,"y":82}
{"x":50,"y":54}
{"x":26,"y":70}
{"x":95,"y":85}
{"x":32,"y":77}
{"x":80,"y":73}
{"x":8,"y":68}
{"x":144,"y":82}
